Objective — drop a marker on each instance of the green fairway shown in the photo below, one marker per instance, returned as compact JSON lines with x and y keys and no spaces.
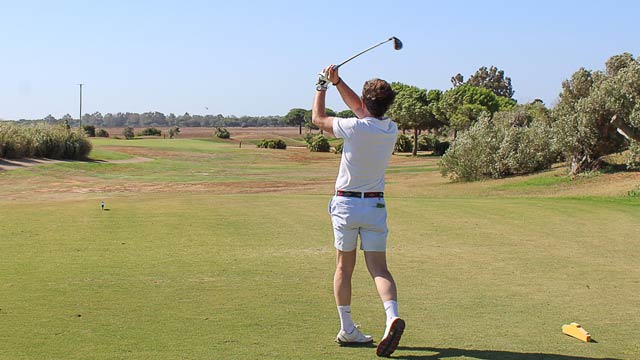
{"x":214,"y":252}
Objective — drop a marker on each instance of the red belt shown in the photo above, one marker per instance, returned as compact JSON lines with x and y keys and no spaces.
{"x":357,"y":194}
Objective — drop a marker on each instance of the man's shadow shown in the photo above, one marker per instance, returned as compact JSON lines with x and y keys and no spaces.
{"x":444,"y":353}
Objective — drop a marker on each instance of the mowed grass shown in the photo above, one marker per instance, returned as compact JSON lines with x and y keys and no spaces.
{"x":189,"y":272}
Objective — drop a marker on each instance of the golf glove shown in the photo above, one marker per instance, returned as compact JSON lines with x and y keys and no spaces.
{"x":323,"y":82}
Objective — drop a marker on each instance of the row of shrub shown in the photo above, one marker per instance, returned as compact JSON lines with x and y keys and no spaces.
{"x":129,"y":133}
{"x":319,"y":143}
{"x":149,"y":132}
{"x":426,"y":142}
{"x":91,"y":131}
{"x":41,"y":140}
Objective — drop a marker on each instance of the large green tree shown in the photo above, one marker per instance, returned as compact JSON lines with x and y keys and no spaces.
{"x":588,"y":102}
{"x":295,"y":117}
{"x":463,"y":105}
{"x":492,"y":79}
{"x":345,"y":114}
{"x":413,"y":109}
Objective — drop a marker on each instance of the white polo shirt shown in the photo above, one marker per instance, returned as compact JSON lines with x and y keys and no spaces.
{"x":368,"y":145}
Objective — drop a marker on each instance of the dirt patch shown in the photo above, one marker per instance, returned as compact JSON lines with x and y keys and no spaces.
{"x":92,"y":188}
{"x":14,"y":164}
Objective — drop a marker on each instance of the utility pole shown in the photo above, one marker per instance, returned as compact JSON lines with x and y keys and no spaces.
{"x":80,"y":118}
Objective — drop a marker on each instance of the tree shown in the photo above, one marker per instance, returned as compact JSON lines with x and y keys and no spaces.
{"x":412,"y":109}
{"x":49,"y":119}
{"x":172,"y":119}
{"x":505,"y":104}
{"x":462,"y":106}
{"x":97,"y":119}
{"x":492,"y":79}
{"x":67,"y":120}
{"x":457,"y":80}
{"x":108,"y":120}
{"x":345,"y":114}
{"x":588,"y":103}
{"x":295,"y":117}
{"x":128,"y":133}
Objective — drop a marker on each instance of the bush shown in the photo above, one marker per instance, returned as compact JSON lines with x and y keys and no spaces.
{"x":222,"y":133}
{"x":308,"y":137}
{"x":441,"y":147}
{"x":426,"y":142}
{"x":319,"y":143}
{"x":403,"y":144}
{"x":90,"y":130}
{"x":42,"y":140}
{"x":150,"y":132}
{"x":497,"y":149}
{"x":174,"y":131}
{"x":76,"y":146}
{"x":128,"y":133}
{"x":338,"y":148}
{"x":50,"y":142}
{"x":272,"y":144}
{"x":13,"y":142}
{"x":102,"y":133}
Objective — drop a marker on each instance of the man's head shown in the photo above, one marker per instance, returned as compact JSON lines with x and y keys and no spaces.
{"x":377,"y":96}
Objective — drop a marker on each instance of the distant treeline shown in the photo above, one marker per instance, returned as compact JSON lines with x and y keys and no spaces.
{"x":155,"y":118}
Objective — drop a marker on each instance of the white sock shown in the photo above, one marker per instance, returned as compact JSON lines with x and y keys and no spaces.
{"x":346,"y":323}
{"x":391,"y":308}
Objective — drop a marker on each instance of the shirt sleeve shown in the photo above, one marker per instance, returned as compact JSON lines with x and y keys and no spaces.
{"x":343,"y":128}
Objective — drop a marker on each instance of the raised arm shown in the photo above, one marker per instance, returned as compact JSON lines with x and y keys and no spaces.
{"x":318,"y":112}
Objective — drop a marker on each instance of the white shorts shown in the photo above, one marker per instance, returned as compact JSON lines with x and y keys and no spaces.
{"x":355,"y":216}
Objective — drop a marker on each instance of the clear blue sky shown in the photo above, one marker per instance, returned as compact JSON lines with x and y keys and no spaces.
{"x":261,"y":58}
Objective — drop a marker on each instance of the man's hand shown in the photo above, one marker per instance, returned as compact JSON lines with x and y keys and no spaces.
{"x":328,"y":76}
{"x":332,"y":74}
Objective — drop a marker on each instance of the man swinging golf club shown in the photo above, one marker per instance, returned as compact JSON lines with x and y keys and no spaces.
{"x":358,"y":207}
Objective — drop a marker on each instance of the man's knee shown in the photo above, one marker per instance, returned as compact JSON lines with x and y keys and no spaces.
{"x":345,"y":262}
{"x":382,"y":272}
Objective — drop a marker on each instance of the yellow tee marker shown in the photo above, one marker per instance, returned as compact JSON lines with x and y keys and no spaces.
{"x":576,"y":330}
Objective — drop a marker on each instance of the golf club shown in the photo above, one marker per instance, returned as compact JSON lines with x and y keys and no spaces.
{"x":397,"y":45}
{"x":322,"y":78}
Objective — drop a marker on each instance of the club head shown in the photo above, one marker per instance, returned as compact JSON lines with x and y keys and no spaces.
{"x":397,"y":44}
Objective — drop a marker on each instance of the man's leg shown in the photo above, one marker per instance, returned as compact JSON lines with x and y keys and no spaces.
{"x":345,"y":263}
{"x":386,"y":286}
{"x":377,"y":265}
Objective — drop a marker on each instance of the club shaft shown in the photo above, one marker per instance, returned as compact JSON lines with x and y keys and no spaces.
{"x":360,"y":53}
